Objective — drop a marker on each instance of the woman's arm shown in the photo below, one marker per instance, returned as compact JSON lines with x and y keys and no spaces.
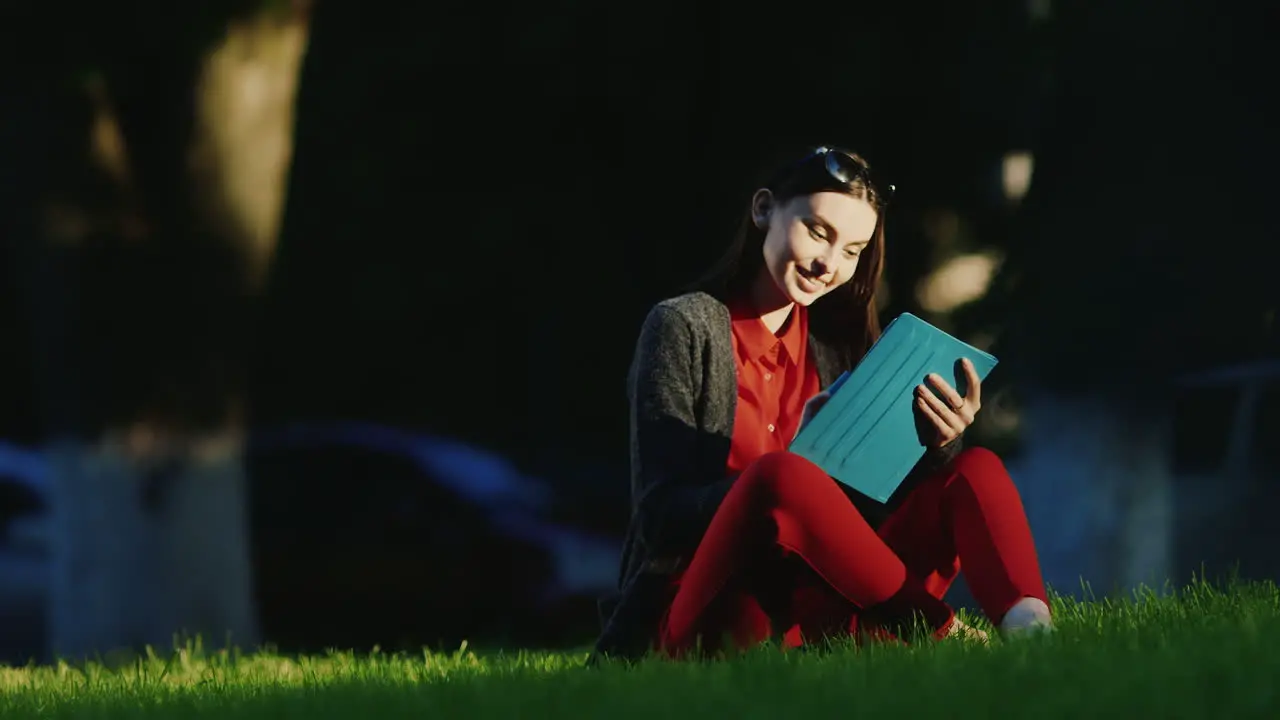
{"x":671,"y":497}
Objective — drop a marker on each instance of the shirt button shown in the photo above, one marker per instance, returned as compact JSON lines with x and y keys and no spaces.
{"x":768,"y":376}
{"x":771,"y":428}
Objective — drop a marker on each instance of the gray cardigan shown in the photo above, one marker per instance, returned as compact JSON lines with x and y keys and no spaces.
{"x":683,"y":391}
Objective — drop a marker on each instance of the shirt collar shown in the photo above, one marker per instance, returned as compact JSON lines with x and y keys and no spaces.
{"x":755,"y":338}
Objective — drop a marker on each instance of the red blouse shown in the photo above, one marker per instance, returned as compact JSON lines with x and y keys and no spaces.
{"x":775,"y":378}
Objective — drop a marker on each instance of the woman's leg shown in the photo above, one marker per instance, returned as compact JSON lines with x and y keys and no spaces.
{"x":971,"y":516}
{"x":783,"y":501}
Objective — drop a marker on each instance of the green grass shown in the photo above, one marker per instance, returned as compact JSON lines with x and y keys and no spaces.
{"x":1196,"y":653}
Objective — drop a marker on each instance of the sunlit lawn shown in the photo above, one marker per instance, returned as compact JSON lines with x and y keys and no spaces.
{"x":1200,"y":653}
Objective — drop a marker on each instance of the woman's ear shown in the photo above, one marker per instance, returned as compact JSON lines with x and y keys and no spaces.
{"x":761,"y":208}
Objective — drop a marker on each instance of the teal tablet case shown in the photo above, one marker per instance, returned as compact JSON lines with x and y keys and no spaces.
{"x":865,"y":436}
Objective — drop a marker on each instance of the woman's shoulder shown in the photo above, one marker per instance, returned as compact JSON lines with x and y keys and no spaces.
{"x":697,"y":309}
{"x":689,"y":319}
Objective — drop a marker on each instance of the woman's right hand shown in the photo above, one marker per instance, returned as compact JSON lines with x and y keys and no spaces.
{"x":815,"y":403}
{"x":811,"y":408}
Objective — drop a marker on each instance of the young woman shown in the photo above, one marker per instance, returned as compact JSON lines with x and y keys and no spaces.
{"x":733,"y":540}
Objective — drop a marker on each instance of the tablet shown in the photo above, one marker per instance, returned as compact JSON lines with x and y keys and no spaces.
{"x":865,"y":435}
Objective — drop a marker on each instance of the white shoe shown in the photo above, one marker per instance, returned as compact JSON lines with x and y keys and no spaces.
{"x":1028,"y":615}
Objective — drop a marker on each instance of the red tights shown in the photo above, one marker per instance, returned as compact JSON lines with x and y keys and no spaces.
{"x":788,"y":551}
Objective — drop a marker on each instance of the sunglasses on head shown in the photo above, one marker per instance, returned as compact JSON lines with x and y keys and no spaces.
{"x":844,"y":167}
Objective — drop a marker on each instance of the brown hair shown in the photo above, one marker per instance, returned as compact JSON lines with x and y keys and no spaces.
{"x":846,"y":318}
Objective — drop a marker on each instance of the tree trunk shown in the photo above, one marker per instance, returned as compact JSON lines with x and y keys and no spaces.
{"x":148,"y":545}
{"x":156,"y":197}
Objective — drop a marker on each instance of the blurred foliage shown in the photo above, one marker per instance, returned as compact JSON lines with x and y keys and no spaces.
{"x":1145,"y":247}
{"x":443,"y":211}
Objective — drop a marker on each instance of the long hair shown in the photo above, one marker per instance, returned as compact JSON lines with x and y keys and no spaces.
{"x":845,"y":318}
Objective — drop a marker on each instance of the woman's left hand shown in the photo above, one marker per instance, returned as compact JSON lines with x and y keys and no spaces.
{"x":947,"y":418}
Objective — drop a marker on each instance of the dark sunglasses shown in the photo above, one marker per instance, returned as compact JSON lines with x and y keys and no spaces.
{"x":844,"y":167}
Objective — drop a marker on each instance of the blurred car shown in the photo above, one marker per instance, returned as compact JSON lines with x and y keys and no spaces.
{"x":363,"y":535}
{"x":23,"y":557}
{"x":411,"y":540}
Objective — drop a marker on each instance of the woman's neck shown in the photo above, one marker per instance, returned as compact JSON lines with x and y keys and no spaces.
{"x":774,"y":307}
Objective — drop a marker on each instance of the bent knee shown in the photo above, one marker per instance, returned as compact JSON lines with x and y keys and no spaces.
{"x":782,"y":466}
{"x":979,"y":465}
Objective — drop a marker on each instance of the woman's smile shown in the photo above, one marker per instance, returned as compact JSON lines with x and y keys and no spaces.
{"x":808,"y":282}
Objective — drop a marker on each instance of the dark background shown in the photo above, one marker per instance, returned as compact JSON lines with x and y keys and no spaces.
{"x":484,"y":201}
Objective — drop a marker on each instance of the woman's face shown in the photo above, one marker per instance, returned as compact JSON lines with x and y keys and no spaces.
{"x":812,"y":242}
